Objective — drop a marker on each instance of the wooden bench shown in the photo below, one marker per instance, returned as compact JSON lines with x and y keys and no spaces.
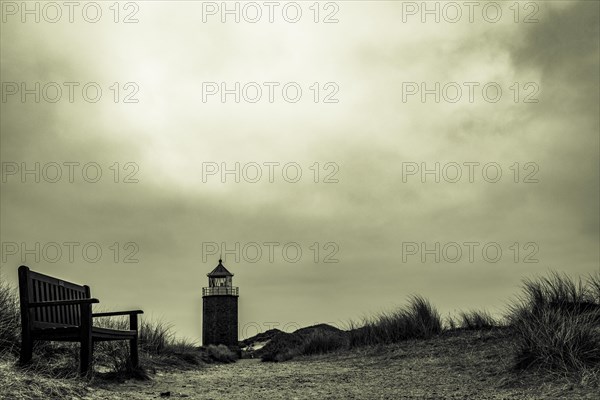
{"x":56,"y":310}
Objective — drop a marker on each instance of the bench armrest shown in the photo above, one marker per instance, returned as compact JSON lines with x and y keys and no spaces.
{"x":114,"y":313}
{"x":63,"y":302}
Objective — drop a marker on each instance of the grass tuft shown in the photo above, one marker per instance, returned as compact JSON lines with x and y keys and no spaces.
{"x":321,"y":342}
{"x":10,"y":324}
{"x":556,"y":321}
{"x":476,"y":320}
{"x":419,"y":320}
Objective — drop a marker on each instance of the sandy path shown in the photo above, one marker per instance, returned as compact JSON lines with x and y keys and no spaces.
{"x":449,"y":368}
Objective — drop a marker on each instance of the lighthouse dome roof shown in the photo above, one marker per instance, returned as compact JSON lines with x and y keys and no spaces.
{"x":219,"y":271}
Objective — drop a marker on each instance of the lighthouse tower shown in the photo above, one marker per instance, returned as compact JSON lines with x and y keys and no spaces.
{"x":220,"y":308}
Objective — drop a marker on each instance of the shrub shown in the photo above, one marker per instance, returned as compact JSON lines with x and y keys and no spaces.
{"x":286,"y":355}
{"x":221,"y":353}
{"x":282,"y":347}
{"x":556,"y":322}
{"x":315,"y":339}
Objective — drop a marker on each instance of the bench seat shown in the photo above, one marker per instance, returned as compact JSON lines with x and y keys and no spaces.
{"x":72,"y":333}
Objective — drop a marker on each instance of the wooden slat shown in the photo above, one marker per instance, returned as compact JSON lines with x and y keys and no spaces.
{"x":41,"y":312}
{"x":76,"y":318}
{"x":71,"y":317}
{"x":37,"y":314}
{"x":48,"y":290}
{"x":35,"y":288}
{"x":49,"y":310}
{"x":61,"y":309}
{"x":54,"y":291}
{"x":65,"y":296}
{"x":43,"y":317}
{"x":44,"y":297}
{"x":77,"y":309}
{"x":53,"y":310}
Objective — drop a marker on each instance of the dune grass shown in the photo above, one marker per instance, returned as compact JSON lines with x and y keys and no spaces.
{"x":418,"y":320}
{"x":28,"y":384}
{"x":9,"y":319}
{"x":476,"y":320}
{"x":556,"y":323}
{"x":321,"y":342}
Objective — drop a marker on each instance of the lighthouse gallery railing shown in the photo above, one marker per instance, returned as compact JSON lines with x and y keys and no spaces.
{"x":221,"y":291}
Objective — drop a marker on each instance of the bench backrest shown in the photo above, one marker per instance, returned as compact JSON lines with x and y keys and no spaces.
{"x":35,"y":287}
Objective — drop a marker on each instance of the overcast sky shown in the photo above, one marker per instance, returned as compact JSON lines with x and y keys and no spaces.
{"x":374,"y":220}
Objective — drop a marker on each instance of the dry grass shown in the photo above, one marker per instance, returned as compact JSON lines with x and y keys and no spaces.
{"x":321,"y":342}
{"x":29,"y":384}
{"x":476,"y":320}
{"x":419,"y":320}
{"x":158,"y":348}
{"x":9,"y":319}
{"x":556,"y":322}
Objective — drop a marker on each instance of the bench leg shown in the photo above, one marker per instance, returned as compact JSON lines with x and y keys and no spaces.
{"x":26,"y":350}
{"x":87,"y":344}
{"x":85,"y":356}
{"x":133,"y":343}
{"x":133,"y":351}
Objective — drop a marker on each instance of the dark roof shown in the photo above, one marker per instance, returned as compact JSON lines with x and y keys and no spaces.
{"x":220,"y":270}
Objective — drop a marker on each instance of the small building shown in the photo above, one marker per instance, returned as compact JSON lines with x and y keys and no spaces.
{"x":220,"y":308}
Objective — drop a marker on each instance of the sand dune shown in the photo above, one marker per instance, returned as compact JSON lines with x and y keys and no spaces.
{"x":456,"y":365}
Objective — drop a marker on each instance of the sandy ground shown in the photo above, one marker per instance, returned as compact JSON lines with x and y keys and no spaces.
{"x":472,"y":367}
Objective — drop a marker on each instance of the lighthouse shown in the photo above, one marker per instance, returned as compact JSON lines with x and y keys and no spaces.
{"x":220,"y":308}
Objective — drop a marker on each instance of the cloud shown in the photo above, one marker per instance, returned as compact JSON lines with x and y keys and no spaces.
{"x":369,"y":134}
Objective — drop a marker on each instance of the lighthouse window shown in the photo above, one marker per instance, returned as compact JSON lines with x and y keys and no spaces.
{"x":219,"y":282}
